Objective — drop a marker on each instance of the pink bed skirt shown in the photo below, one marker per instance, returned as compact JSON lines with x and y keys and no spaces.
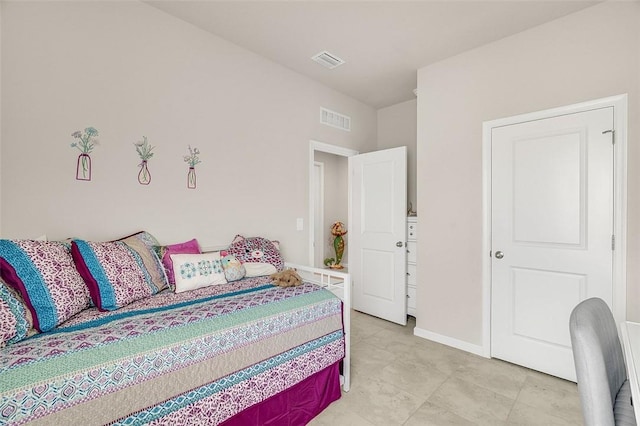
{"x":295,"y":406}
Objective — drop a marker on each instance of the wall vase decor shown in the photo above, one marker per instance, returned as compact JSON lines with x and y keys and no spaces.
{"x":85,"y":144}
{"x":83,"y":168}
{"x":192,"y":159}
{"x":144,"y":148}
{"x":144,"y":176}
{"x":191,"y":178}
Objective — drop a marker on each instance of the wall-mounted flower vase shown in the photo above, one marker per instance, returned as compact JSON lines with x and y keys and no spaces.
{"x":192,"y":159}
{"x":85,"y":144}
{"x":191,"y":178}
{"x":83,"y":168}
{"x":144,"y":148}
{"x":144,"y":176}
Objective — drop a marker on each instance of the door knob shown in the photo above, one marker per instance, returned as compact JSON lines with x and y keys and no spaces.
{"x":499,"y":255}
{"x":399,"y":244}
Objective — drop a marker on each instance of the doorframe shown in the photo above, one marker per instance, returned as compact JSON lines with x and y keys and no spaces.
{"x":619,"y":104}
{"x":329,"y":149}
{"x":318,"y":191}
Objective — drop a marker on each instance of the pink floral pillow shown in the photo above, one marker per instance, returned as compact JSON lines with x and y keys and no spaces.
{"x":44,"y":274}
{"x":114,"y":273}
{"x":256,"y":250}
{"x":165,"y":252}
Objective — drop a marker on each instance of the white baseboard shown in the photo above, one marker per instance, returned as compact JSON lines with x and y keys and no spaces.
{"x":450,"y":341}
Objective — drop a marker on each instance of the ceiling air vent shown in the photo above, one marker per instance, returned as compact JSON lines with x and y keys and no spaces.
{"x":334,"y":119}
{"x":327,"y":59}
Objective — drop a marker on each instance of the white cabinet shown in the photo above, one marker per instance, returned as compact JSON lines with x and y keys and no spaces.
{"x":412,"y":279}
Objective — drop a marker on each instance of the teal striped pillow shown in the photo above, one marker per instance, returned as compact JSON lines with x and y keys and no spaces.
{"x":44,"y":274}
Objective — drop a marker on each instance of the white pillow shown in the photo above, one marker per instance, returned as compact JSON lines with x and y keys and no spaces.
{"x":258,"y":269}
{"x":194,"y":271}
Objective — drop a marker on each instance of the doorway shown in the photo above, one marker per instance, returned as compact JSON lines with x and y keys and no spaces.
{"x":554,"y":203}
{"x":376,"y":208}
{"x":335,"y":204}
{"x":318,"y":213}
{"x":331,"y":189}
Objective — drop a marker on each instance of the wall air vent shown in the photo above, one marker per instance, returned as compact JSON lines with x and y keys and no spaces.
{"x":327,"y":59}
{"x":334,"y":119}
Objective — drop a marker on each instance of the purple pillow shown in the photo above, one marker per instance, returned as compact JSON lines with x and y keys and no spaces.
{"x":114,"y":273}
{"x":188,"y":247}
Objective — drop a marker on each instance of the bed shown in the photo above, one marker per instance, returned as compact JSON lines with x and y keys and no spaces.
{"x":241,"y":353}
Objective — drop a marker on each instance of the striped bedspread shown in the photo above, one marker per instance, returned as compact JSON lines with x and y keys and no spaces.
{"x":208,"y":354}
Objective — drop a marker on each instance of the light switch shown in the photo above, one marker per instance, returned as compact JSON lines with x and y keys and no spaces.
{"x":299,"y":224}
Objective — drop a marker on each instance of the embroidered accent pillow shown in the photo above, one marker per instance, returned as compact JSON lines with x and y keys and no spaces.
{"x":257,"y":250}
{"x":114,"y":273}
{"x":144,"y":243}
{"x":194,"y":271}
{"x":234,"y":270}
{"x":44,"y":274}
{"x":165,"y":252}
{"x":15,"y":321}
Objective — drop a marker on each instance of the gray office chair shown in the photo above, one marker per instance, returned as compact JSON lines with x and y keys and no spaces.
{"x":603,"y":387}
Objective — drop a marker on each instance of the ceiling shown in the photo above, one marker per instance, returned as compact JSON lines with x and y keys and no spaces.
{"x":382,"y":42}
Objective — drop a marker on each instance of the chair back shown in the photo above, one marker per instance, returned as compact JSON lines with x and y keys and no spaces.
{"x":599,"y":360}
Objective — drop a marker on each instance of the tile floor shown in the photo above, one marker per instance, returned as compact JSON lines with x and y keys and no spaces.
{"x":400,"y":379}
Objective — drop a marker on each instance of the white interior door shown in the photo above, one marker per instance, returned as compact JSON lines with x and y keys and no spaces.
{"x":552,"y":226}
{"x":377,"y":252}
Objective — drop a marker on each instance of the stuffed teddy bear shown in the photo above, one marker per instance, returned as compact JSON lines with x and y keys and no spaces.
{"x":286,"y":278}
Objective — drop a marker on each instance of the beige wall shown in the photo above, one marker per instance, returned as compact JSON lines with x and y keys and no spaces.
{"x":397,"y":127}
{"x":129,"y":70}
{"x":588,"y":55}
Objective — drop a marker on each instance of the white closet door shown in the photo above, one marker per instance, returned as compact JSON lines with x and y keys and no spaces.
{"x":552,"y":226}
